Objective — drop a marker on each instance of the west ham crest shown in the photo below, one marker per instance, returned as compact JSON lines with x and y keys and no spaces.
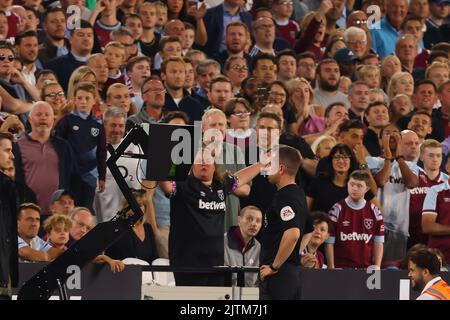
{"x":368,"y":223}
{"x":95,"y":132}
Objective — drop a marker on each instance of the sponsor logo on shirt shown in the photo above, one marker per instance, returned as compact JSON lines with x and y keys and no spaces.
{"x":76,"y":128}
{"x":446,"y":199}
{"x":419,"y":190}
{"x":396,"y":180}
{"x":368,"y":223}
{"x":202,"y":194}
{"x":354,"y":236}
{"x":287,"y":213}
{"x":345,"y":223}
{"x":212,"y":205}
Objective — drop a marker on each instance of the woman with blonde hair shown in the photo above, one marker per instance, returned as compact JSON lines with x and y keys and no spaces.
{"x":389,"y":66}
{"x":401,"y":82}
{"x":323,"y":145}
{"x":308,"y":117}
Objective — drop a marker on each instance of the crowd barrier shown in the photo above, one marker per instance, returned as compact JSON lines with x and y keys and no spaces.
{"x":97,"y":282}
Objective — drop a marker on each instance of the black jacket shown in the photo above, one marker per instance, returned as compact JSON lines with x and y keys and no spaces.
{"x":8,"y":232}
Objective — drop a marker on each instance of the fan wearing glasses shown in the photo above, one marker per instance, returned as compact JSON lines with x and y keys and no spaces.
{"x":238,"y":112}
{"x":12,"y":92}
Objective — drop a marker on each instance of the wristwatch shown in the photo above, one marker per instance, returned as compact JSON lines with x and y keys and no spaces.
{"x":273,"y":268}
{"x":400,"y":157}
{"x":363,"y":166}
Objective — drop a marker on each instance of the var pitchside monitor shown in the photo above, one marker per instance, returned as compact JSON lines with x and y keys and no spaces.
{"x":171,"y":151}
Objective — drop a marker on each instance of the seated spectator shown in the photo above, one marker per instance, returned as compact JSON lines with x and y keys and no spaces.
{"x":438,"y":73}
{"x":140,"y":243}
{"x":421,"y":123}
{"x":57,"y":228}
{"x":370,"y":75}
{"x":311,"y":256}
{"x":118,"y":95}
{"x":62,"y":202}
{"x":358,"y":244}
{"x":377,"y":94}
{"x":82,"y":222}
{"x":31,"y":246}
{"x":44,"y":75}
{"x":334,"y":44}
{"x":241,"y":246}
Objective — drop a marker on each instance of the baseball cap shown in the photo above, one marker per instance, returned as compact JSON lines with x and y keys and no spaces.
{"x":344,"y":55}
{"x":59,"y":193}
{"x":439,"y":1}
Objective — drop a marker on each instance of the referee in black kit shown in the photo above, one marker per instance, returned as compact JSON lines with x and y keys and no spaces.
{"x":286,"y":221}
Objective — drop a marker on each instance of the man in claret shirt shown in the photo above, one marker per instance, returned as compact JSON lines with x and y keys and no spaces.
{"x":436,"y":217}
{"x":430,"y":175}
{"x":357,"y":237}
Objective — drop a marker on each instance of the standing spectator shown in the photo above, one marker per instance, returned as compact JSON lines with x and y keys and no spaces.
{"x":306,"y":67}
{"x":389,"y":66}
{"x":286,"y":65}
{"x":173,"y":73}
{"x":9,"y":270}
{"x":115,"y":55}
{"x":241,"y":246}
{"x":81,"y":44}
{"x":99,"y":65}
{"x":406,"y":49}
{"x":330,"y":185}
{"x":26,"y":45}
{"x":356,"y":41}
{"x":286,"y":28}
{"x":220,"y":92}
{"x":313,"y":31}
{"x":55,"y":43}
{"x":53,"y":94}
{"x":431,"y":175}
{"x":107,"y":203}
{"x":377,"y":115}
{"x":236,"y":38}
{"x":311,"y":256}
{"x":424,"y":268}
{"x":264,"y":68}
{"x":216,"y":20}
{"x":357,"y":235}
{"x":400,"y":82}
{"x":236,"y":69}
{"x":153,"y":94}
{"x":149,"y":41}
{"x":206,"y":70}
{"x":358,"y":97}
{"x":107,"y":22}
{"x":87,"y":137}
{"x":395,"y":173}
{"x":238,"y":112}
{"x":323,"y":145}
{"x":31,"y":246}
{"x":439,"y":10}
{"x":399,"y":107}
{"x":44,"y":162}
{"x":421,"y":124}
{"x":263,"y":31}
{"x":118,"y":95}
{"x":287,"y":222}
{"x":327,"y":75}
{"x":57,"y":228}
{"x":386,"y":31}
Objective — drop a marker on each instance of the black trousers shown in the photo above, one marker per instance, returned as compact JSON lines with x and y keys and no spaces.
{"x":284,"y":285}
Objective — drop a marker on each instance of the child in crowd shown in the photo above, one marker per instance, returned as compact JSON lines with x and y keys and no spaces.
{"x":57,"y":228}
{"x":86,"y":135}
{"x":357,"y":235}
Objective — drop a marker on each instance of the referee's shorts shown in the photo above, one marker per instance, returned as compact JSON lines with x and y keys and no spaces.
{"x":284,"y":285}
